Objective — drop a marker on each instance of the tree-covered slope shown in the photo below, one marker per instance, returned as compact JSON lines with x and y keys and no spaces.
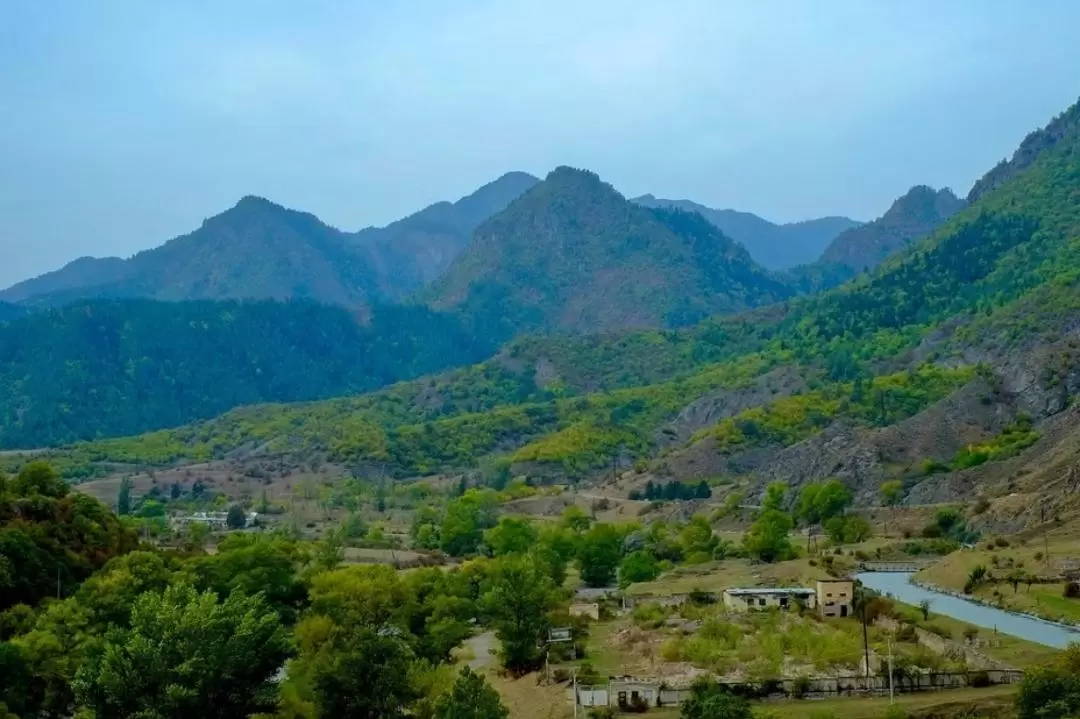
{"x":411,"y":253}
{"x":914,"y":215}
{"x":114,"y":367}
{"x":989,"y":298}
{"x":10,"y":311}
{"x":574,"y":254}
{"x":773,"y":246}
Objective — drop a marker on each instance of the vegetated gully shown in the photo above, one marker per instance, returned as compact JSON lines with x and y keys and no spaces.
{"x":899,"y":586}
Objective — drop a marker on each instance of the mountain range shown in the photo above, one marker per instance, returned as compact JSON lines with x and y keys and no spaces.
{"x":215,"y":319}
{"x":260,"y":250}
{"x":773,"y":246}
{"x":953,"y":367}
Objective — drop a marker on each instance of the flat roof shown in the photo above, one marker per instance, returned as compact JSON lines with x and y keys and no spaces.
{"x":771,"y":590}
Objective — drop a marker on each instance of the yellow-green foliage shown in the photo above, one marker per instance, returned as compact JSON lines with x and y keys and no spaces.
{"x":881,"y":401}
{"x":1015,"y":438}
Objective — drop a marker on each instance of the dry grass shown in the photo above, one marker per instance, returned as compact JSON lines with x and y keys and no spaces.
{"x":990,"y":702}
{"x":526,"y":698}
{"x":1047,"y":600}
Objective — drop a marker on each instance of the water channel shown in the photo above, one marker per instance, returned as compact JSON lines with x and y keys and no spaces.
{"x":899,"y":586}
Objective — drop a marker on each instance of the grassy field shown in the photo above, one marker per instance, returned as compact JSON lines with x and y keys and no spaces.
{"x":1044,"y":557}
{"x":716,"y":576}
{"x":990,"y":702}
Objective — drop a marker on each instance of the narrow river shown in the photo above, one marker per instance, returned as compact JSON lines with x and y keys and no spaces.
{"x":898,"y":584}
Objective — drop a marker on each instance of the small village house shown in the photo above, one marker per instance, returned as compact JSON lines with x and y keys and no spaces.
{"x":835,"y":597}
{"x":757,"y":598}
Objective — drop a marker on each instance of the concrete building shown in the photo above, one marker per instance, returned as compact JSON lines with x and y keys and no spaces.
{"x":835,"y":597}
{"x":757,"y":598}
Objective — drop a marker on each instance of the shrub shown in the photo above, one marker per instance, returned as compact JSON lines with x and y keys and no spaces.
{"x":1001,"y":542}
{"x":979,"y":679}
{"x":1072,"y":590}
{"x":800,"y":687}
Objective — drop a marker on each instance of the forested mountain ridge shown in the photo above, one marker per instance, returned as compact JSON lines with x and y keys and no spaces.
{"x":414,"y":251}
{"x":116,"y":367}
{"x":914,"y":215}
{"x":261,"y":250}
{"x":773,"y":246}
{"x":574,"y":254}
{"x":941,"y":340}
{"x":10,"y":311}
{"x":85,"y":272}
{"x":1038,"y":141}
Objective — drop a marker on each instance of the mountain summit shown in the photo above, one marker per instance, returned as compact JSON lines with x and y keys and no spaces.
{"x":574,"y":254}
{"x":917,"y":213}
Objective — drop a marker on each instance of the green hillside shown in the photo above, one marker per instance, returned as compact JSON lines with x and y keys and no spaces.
{"x":574,"y":254}
{"x":574,"y":403}
{"x":116,"y":367}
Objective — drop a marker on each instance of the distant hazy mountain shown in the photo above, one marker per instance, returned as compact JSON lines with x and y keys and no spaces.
{"x":917,"y":213}
{"x":574,"y":254}
{"x":776,"y":247}
{"x":81,"y":273}
{"x":260,"y":250}
{"x":412,"y":252}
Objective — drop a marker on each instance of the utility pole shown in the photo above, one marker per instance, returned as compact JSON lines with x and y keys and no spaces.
{"x":888,"y":639}
{"x":1046,"y":539}
{"x":865,"y":636}
{"x":575,"y":694}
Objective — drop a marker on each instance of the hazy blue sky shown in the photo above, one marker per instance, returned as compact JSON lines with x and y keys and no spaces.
{"x":123,"y":123}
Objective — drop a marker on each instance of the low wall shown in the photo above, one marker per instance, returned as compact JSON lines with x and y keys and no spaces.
{"x":819,"y":688}
{"x":947,"y":647}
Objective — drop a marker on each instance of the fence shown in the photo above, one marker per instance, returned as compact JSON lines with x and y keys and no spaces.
{"x":658,"y":694}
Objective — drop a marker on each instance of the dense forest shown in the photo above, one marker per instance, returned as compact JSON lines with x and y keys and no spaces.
{"x":119,"y":367}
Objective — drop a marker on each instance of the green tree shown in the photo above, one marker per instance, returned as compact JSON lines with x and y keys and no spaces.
{"x":848,"y":529}
{"x":236,"y":517}
{"x":697,"y":540}
{"x":774,"y":496}
{"x":123,"y":498}
{"x":363,"y":674}
{"x":253,"y":564}
{"x":470,"y":698}
{"x":518,"y":599}
{"x":891,"y":492}
{"x":39,"y":478}
{"x":820,"y":502}
{"x":575,"y":519}
{"x":599,"y":555}
{"x":639,"y":566}
{"x":187,"y":654}
{"x":466,"y":519}
{"x":1051,"y":691}
{"x":767,"y":539}
{"x":708,"y":700}
{"x":512,"y":535}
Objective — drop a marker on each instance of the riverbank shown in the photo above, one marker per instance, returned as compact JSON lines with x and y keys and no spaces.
{"x":1018,"y":641}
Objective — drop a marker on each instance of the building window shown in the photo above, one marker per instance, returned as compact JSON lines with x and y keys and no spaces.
{"x":761,"y":602}
{"x":783,"y":601}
